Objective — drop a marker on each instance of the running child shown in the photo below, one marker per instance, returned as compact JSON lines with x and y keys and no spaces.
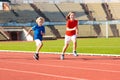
{"x":39,"y":32}
{"x":71,"y":33}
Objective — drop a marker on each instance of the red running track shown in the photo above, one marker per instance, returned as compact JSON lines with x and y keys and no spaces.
{"x":22,"y":66}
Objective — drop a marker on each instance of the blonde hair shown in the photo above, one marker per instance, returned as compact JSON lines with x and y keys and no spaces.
{"x":40,"y":18}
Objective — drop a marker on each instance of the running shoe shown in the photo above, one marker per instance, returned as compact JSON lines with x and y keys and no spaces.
{"x":75,"y":53}
{"x":62,"y":57}
{"x":36,"y":56}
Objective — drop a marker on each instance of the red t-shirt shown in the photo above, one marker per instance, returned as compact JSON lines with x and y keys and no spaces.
{"x":71,"y":24}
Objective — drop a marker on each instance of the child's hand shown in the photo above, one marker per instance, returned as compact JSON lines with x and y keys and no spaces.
{"x":42,"y":33}
{"x":74,"y":28}
{"x":26,"y":35}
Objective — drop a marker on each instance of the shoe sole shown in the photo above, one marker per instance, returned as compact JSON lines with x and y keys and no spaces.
{"x":35,"y":58}
{"x":75,"y":54}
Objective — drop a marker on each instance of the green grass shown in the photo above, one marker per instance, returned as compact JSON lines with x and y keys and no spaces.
{"x":85,"y":45}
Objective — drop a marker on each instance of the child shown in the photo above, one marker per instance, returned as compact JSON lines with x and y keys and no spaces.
{"x":71,"y":33}
{"x":39,"y":31}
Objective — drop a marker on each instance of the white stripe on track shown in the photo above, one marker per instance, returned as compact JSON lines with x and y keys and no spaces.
{"x":87,"y":54}
{"x":90,"y":69}
{"x":43,"y":74}
{"x":80,"y":54}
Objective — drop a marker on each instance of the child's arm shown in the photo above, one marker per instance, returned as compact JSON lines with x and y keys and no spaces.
{"x":71,"y":29}
{"x":42,"y":33}
{"x":77,"y":30}
{"x":28,"y":32}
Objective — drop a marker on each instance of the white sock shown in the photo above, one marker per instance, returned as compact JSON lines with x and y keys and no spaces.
{"x":36,"y":52}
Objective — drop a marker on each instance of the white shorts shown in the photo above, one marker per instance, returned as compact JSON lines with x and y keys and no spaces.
{"x":68,"y":38}
{"x":38,"y":42}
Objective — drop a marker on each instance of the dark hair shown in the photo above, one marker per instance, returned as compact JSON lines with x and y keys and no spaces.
{"x":68,"y":16}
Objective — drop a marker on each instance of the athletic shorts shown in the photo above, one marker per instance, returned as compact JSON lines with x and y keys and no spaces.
{"x":69,"y":38}
{"x":38,"y":42}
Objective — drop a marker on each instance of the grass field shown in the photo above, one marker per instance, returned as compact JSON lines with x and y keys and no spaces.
{"x":85,"y":45}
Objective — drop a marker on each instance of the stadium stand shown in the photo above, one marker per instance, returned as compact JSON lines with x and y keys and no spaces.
{"x":13,"y":33}
{"x":114,"y":8}
{"x":4,"y":35}
{"x":67,"y":7}
{"x":6,"y":16}
{"x":97,"y":11}
{"x":26,"y":11}
{"x":51,"y":11}
{"x":114,"y":29}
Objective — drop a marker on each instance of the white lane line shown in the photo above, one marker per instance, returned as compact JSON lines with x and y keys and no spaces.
{"x":90,"y":69}
{"x":96,"y":63}
{"x":87,"y":54}
{"x":43,"y":74}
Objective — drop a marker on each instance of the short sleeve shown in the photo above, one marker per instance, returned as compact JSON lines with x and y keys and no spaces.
{"x":33,"y":28}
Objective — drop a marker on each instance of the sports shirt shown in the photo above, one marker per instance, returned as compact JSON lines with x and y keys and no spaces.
{"x":71,"y":24}
{"x":37,"y":31}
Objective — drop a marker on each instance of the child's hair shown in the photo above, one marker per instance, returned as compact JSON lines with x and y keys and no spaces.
{"x":40,"y":18}
{"x":68,"y":16}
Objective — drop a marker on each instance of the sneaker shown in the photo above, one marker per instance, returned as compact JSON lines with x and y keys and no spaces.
{"x":62,"y":57}
{"x":75,"y":53}
{"x":36,"y":56}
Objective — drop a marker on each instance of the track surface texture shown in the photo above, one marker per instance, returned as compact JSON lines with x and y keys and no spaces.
{"x":22,"y":66}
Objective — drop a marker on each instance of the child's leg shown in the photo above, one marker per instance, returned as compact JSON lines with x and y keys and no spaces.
{"x":74,"y":45}
{"x":64,"y":48}
{"x":39,"y":45}
{"x":67,"y":40}
{"x":73,"y":38}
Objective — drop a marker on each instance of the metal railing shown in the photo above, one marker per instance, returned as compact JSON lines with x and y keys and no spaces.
{"x":81,"y":22}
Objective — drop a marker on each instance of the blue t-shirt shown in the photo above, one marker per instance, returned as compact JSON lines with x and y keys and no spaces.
{"x":37,"y":31}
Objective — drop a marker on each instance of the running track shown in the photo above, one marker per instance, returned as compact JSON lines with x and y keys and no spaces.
{"x":22,"y":66}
